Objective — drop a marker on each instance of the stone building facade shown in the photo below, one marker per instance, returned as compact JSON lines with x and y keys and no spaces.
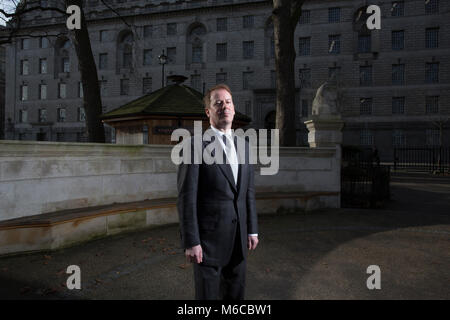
{"x":395,"y":82}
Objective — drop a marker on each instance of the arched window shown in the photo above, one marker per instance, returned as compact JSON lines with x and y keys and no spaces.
{"x":196,"y":40}
{"x":125,"y":50}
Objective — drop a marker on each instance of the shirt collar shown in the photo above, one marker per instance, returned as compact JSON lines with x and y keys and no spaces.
{"x":221,"y":133}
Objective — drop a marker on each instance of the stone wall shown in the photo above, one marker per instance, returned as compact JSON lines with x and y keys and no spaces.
{"x":40,"y":177}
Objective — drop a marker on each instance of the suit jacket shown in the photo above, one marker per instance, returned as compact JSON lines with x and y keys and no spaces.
{"x":211,"y":205}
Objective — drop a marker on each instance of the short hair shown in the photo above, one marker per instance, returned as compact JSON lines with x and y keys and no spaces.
{"x":207,"y":97}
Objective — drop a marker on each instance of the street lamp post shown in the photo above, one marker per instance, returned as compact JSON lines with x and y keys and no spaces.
{"x":162,"y":61}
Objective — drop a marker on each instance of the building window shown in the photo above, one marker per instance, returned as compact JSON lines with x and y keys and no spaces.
{"x":171,"y":29}
{"x":432,"y":137}
{"x":431,"y":6}
{"x":221,"y":51}
{"x":432,"y":104}
{"x":398,"y":74}
{"x":43,"y":66}
{"x":432,"y":72}
{"x":365,"y":106}
{"x":398,"y":105}
{"x":60,"y":136}
{"x":364,"y":43}
{"x":398,"y":40}
{"x":146,"y":85}
{"x":305,"y":78}
{"x":103,"y":35}
{"x":305,"y":109}
{"x":81,"y":114}
{"x":23,"y":116}
{"x":43,"y":42}
{"x":334,"y":44}
{"x":25,"y":44}
{"x":222,"y":24}
{"x":247,"y":22}
{"x":80,"y":89}
{"x":334,"y":15}
{"x":304,"y":46}
{"x":221,"y":77}
{"x":365,"y":75}
{"x":366,"y":137}
{"x":148,"y":31}
{"x":172,"y":55}
{"x":103,"y":61}
{"x":42,"y":91}
{"x":305,"y":17}
{"x":24,"y":67}
{"x":24,"y":92}
{"x":148,"y":56}
{"x":398,"y":9}
{"x":398,"y":138}
{"x":65,"y":64}
{"x":432,"y":38}
{"x":197,"y":54}
{"x":196,"y":82}
{"x":42,"y":115}
{"x":247,"y":80}
{"x":334,"y":72}
{"x":103,"y":87}
{"x":247,"y":47}
{"x":124,"y":87}
{"x":61,"y":115}
{"x":62,"y":90}
{"x":273,"y":79}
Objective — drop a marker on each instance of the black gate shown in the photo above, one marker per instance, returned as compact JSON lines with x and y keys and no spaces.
{"x":422,"y":158}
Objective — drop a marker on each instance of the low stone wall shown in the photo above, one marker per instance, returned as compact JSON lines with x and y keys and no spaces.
{"x":41,"y":177}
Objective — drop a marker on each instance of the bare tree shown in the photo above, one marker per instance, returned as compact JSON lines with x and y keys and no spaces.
{"x":285,"y":17}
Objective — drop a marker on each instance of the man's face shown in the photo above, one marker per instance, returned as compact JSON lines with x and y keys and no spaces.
{"x":221,"y":109}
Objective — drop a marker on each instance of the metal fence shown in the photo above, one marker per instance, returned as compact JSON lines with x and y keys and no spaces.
{"x":422,"y":158}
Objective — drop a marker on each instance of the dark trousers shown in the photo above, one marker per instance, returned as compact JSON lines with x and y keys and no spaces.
{"x":222,"y":283}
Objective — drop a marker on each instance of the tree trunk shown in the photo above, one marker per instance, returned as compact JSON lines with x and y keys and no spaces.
{"x":284,"y":22}
{"x":89,"y":78}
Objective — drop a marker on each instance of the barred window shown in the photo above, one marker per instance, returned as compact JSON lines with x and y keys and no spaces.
{"x":305,"y":107}
{"x":365,"y":75}
{"x":221,"y":77}
{"x":432,"y":72}
{"x":148,"y":31}
{"x":366,"y":137}
{"x":171,"y":55}
{"x":24,"y":92}
{"x":42,"y":91}
{"x":398,"y":105}
{"x":431,"y":6}
{"x":62,"y":90}
{"x":305,"y":78}
{"x":24,"y":67}
{"x":398,"y":9}
{"x":146,"y":85}
{"x":364,"y":43}
{"x":398,"y":74}
{"x":196,"y":82}
{"x":222,"y":24}
{"x":103,"y":61}
{"x":171,"y":29}
{"x":334,"y":44}
{"x":42,"y":115}
{"x":365,"y":106}
{"x":305,"y":17}
{"x":432,"y":38}
{"x":148,"y":57}
{"x":124,"y":87}
{"x":61,"y":115}
{"x":43,"y":66}
{"x":398,"y":138}
{"x":65,"y":64}
{"x":221,"y":52}
{"x":432,"y":137}
{"x":247,"y":80}
{"x":432,"y":104}
{"x":398,"y":40}
{"x":247,"y":22}
{"x":197,"y":54}
{"x":334,"y":15}
{"x":304,"y":46}
{"x":247,"y":47}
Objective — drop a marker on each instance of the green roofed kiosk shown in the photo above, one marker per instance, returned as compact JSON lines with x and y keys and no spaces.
{"x":152,"y":118}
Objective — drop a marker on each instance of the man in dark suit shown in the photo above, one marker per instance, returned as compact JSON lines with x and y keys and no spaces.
{"x":216,"y":206}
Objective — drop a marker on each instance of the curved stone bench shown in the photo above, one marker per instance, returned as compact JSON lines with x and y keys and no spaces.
{"x":64,"y":228}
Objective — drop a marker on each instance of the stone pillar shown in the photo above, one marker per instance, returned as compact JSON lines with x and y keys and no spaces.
{"x":324,"y":131}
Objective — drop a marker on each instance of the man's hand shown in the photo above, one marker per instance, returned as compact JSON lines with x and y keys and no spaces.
{"x":194,"y":254}
{"x":252,"y":242}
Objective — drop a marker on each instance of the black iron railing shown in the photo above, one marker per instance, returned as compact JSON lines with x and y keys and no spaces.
{"x":422,"y":158}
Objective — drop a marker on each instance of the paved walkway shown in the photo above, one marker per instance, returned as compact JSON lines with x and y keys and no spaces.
{"x":320,"y":255}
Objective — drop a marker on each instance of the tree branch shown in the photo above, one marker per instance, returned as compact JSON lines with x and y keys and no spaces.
{"x":114,"y":10}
